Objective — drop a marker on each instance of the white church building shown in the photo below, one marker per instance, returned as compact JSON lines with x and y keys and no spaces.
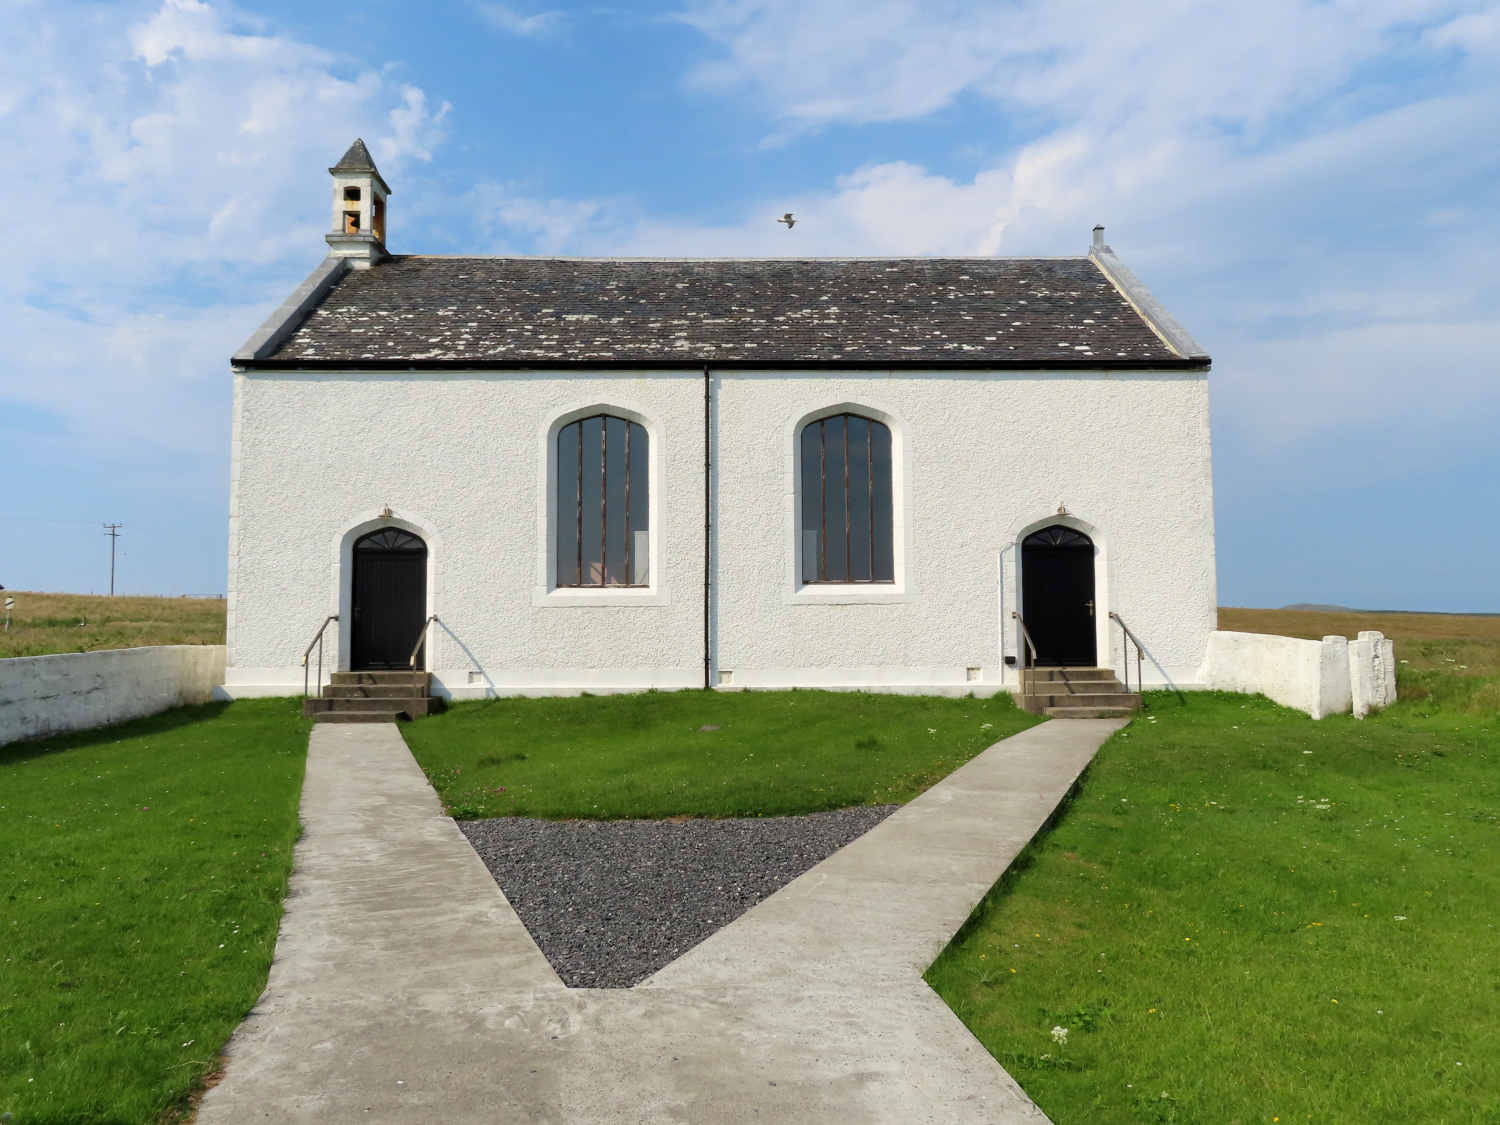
{"x":556,"y":475}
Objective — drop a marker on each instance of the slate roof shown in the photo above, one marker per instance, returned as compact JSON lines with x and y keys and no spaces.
{"x":512,"y":311}
{"x":357,"y":159}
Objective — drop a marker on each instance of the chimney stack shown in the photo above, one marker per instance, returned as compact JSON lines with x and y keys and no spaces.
{"x":1099,"y":246}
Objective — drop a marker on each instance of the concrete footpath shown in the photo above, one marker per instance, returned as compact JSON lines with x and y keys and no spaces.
{"x":405,"y":989}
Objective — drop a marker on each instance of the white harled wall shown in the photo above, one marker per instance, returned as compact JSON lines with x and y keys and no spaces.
{"x":42,"y":696}
{"x":981,"y":459}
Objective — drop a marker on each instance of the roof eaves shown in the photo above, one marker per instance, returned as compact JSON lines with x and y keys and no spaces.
{"x":637,"y":363}
{"x":1152,"y":311}
{"x":285,"y":320}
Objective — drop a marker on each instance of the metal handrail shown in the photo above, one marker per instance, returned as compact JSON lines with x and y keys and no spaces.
{"x":416,"y":648}
{"x":1125,"y":652}
{"x":318,"y":641}
{"x":1028,"y":662}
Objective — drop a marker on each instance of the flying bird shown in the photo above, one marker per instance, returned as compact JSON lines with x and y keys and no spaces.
{"x":788,"y":220}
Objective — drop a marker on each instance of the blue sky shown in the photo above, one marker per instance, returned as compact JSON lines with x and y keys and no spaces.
{"x":1310,"y":185}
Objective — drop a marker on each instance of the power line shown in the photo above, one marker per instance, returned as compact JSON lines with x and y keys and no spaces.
{"x":34,"y":519}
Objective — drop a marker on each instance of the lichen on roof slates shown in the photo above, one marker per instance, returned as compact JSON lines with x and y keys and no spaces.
{"x":461,"y":310}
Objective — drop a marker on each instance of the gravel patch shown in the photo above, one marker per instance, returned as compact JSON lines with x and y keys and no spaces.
{"x":611,"y":902}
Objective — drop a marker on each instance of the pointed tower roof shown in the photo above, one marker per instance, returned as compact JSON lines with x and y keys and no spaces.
{"x":357,"y":160}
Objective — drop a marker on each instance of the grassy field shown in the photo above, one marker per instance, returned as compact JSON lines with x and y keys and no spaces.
{"x":1246,"y":916}
{"x":1316,"y":624}
{"x":46,"y":623}
{"x":773,"y":754}
{"x":142,"y":869}
{"x":1451,"y":659}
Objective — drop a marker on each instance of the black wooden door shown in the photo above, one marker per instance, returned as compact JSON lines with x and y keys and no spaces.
{"x":1057,"y":595}
{"x":388,"y":600}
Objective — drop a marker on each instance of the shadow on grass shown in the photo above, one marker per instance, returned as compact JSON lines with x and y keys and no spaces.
{"x":1153,"y":702}
{"x":160,"y":723}
{"x":1025,"y":860}
{"x":147,"y":870}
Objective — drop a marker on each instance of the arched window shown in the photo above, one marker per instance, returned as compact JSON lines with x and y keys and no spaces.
{"x":603,"y":497}
{"x":846,"y":501}
{"x":391,"y":539}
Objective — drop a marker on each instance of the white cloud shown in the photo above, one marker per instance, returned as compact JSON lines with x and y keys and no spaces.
{"x":1299,"y":179}
{"x":1399,"y":378}
{"x":507,"y":19}
{"x":547,"y":225}
{"x":1474,"y":33}
{"x":415,"y":128}
{"x":822,"y":61}
{"x":169,"y":161}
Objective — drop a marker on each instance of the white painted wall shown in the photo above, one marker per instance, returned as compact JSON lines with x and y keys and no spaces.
{"x":1327,"y":677}
{"x":45,"y":695}
{"x":983,"y":459}
{"x":1312,"y":676}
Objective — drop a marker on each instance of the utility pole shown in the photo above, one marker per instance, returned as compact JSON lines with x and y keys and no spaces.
{"x":113,"y":531}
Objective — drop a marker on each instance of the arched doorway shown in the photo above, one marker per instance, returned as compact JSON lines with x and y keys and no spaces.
{"x":1057,"y":596}
{"x":388,"y":600}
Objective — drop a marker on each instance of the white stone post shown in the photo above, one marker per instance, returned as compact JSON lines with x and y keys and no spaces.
{"x":1333,"y":678}
{"x":1378,"y":657}
{"x":1362,"y":682}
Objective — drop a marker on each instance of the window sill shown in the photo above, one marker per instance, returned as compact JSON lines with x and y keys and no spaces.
{"x":852,"y":594}
{"x":576,"y":596}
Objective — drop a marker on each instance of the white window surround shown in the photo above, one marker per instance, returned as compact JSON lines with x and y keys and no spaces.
{"x":546,"y":591}
{"x":903,"y":589}
{"x":1011,"y":643}
{"x":343,"y":574}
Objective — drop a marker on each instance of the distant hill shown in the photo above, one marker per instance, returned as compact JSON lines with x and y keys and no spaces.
{"x":1346,"y":609}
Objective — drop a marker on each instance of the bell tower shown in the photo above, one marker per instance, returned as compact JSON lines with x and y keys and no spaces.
{"x":359,"y":195}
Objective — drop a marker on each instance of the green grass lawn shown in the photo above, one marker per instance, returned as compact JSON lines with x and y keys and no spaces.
{"x":1242,"y":915}
{"x":644,"y":755}
{"x":1247,"y":916}
{"x":142,"y":869}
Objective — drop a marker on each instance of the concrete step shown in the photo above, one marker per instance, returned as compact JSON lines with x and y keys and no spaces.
{"x":374,"y":691}
{"x":1087,"y":699}
{"x":1089,"y":712}
{"x":358,"y":716}
{"x":408,"y":707}
{"x":1069,"y":675}
{"x":1070,"y":692}
{"x":343,"y":678}
{"x":1081,"y":687}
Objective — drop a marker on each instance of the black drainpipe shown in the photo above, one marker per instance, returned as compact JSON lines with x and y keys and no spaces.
{"x":708,"y":467}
